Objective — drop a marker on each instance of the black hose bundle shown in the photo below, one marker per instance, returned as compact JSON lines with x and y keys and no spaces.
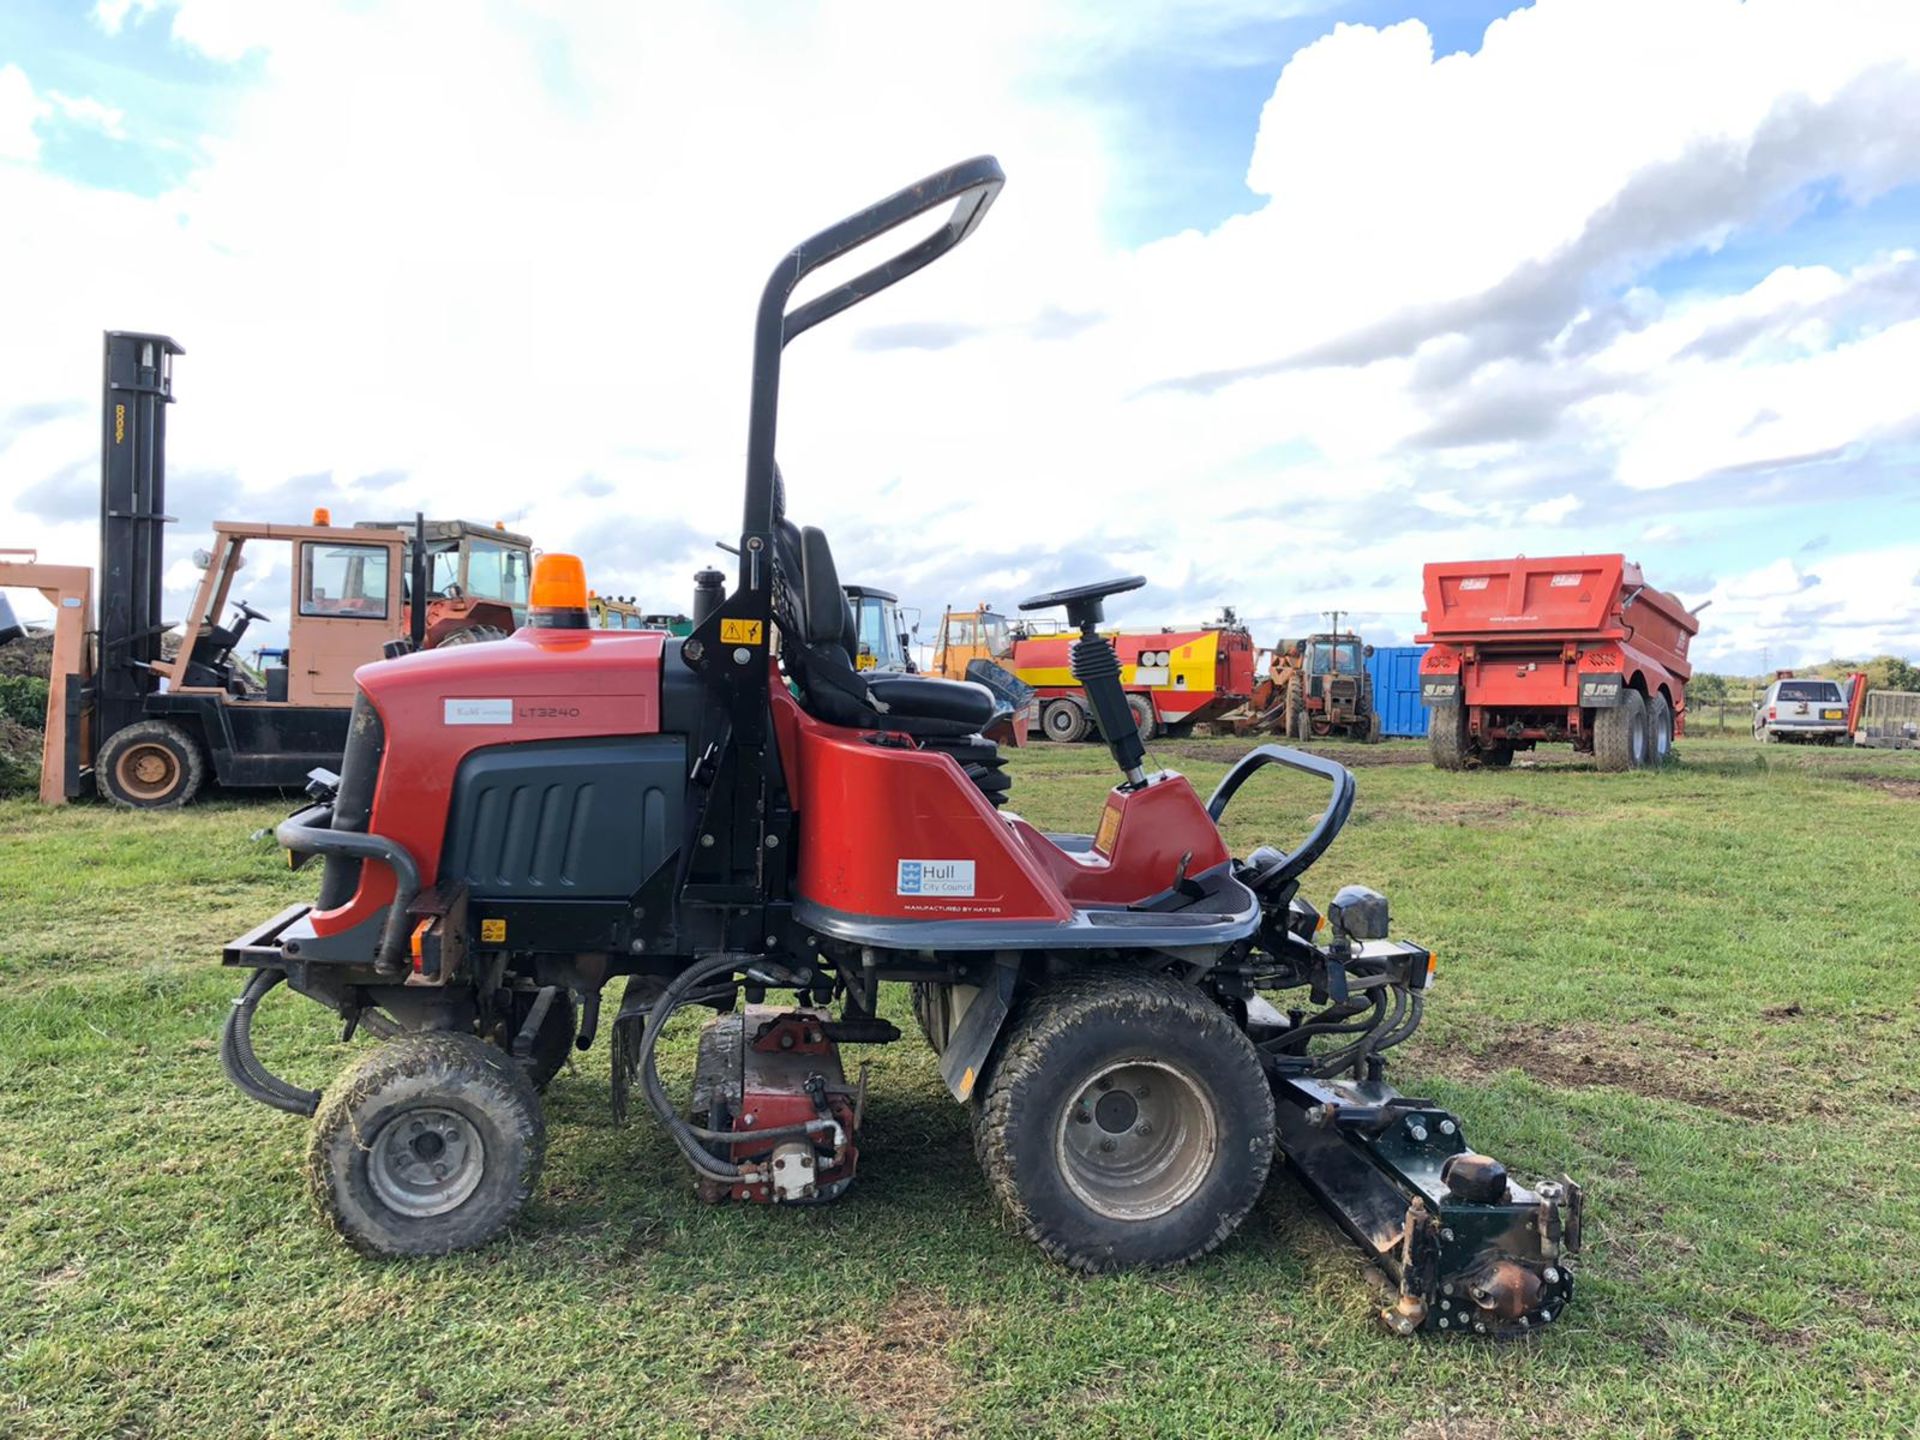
{"x":243,"y":1067}
{"x":688,"y":1136}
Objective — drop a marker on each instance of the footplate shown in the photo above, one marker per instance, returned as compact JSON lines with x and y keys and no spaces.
{"x":1465,"y":1247}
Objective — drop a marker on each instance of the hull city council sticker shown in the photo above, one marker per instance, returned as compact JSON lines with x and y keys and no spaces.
{"x":935,"y":877}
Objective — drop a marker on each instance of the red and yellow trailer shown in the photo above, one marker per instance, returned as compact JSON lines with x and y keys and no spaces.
{"x":1172,"y":677}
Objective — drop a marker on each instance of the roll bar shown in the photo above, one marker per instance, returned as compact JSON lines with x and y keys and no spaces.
{"x":969,"y":186}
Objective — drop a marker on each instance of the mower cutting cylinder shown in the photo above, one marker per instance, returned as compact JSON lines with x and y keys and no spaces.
{"x":1467,"y":1248}
{"x":765,"y":1069}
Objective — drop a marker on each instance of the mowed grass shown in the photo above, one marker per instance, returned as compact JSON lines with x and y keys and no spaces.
{"x":1693,"y":990}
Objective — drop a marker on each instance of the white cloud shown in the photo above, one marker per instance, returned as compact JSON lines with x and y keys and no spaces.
{"x":20,"y":111}
{"x":503,"y":255}
{"x":109,"y":120}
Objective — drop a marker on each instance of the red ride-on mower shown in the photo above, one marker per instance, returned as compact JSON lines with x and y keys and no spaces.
{"x":515,"y":825}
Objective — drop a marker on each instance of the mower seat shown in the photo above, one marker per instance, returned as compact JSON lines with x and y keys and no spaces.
{"x":819,"y":620}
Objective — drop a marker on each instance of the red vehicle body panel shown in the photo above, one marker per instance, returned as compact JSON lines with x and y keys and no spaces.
{"x":865,"y":808}
{"x":440,"y":706}
{"x":1519,"y":633}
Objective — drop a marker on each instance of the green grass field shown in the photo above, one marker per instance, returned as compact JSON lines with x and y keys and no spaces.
{"x":1693,"y":990}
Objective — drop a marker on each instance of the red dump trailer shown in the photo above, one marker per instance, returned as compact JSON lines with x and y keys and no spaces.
{"x":1570,"y":648}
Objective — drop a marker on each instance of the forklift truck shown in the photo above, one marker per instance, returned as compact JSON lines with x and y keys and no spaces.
{"x":147,"y":728}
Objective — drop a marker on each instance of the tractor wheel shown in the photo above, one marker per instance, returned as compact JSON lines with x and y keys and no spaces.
{"x":472,"y":635}
{"x":1620,"y":734}
{"x":1143,"y":721}
{"x":152,"y":765}
{"x":1065,"y":721}
{"x":431,"y":1143}
{"x":1126,"y":1122}
{"x":1296,"y":711}
{"x":1447,"y":735}
{"x":1659,"y":730}
{"x":552,"y":1043}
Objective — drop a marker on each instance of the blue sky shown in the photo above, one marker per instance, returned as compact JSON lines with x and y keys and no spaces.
{"x":1289,"y":278}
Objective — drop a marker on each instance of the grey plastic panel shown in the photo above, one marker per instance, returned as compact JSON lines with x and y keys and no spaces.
{"x":568,"y":819}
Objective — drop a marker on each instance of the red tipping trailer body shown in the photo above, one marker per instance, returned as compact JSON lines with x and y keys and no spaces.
{"x":1535,"y":649}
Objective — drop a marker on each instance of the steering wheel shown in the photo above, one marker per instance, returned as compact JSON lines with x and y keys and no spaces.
{"x":1083,"y":601}
{"x":252,"y":614}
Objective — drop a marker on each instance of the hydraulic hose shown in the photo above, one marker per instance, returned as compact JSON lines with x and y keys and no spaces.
{"x":683,"y":1133}
{"x":243,"y":1067}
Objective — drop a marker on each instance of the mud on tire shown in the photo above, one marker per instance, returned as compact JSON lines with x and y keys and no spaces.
{"x":1058,"y":1125}
{"x":1447,"y":735}
{"x":431,"y":1143}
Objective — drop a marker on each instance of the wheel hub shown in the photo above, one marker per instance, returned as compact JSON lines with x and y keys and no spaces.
{"x":147,"y":770}
{"x":426,"y":1161}
{"x":1137,"y":1139}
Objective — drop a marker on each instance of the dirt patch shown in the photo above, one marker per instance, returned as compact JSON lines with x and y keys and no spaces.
{"x":1473,"y":810}
{"x":31,"y":654}
{"x":1576,"y":1056}
{"x":1222,"y":751}
{"x":899,"y":1370}
{"x":1895,"y":785}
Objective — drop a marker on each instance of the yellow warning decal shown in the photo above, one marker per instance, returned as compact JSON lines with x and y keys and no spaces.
{"x":493,"y":932}
{"x":1109,"y":830}
{"x":741,"y":632}
{"x":119,"y":424}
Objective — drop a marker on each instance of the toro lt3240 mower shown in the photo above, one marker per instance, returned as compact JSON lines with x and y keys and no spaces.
{"x":517,"y":824}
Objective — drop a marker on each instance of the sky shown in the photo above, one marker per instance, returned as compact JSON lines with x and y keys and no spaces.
{"x":1281,"y":301}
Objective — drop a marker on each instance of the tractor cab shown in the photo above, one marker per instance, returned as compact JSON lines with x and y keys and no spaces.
{"x":970,"y":635}
{"x":1334,"y":655}
{"x":475,"y":577}
{"x":882,"y":630}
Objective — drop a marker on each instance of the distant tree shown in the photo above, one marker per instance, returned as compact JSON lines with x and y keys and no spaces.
{"x":1895,"y":673}
{"x":1707,"y":689}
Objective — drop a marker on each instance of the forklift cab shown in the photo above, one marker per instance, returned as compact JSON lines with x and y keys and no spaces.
{"x":343,"y":605}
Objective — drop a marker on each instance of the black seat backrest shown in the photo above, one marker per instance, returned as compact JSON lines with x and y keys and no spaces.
{"x":830,"y":685}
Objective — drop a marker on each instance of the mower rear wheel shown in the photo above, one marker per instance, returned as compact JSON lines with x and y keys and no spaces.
{"x":1065,"y":721}
{"x":1447,"y":735}
{"x":151,"y":765}
{"x":1127,"y":1122}
{"x":1620,"y":734}
{"x":431,"y":1143}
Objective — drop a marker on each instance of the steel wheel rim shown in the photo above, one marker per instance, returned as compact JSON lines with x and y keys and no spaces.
{"x":1137,"y":1139}
{"x":148,"y":770}
{"x":425,"y":1162}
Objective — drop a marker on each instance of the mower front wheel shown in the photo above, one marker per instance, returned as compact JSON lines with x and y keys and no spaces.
{"x":430,"y":1144}
{"x":1127,"y":1123}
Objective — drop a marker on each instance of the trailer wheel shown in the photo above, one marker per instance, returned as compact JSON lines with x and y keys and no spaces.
{"x":1126,"y":1123}
{"x":431,"y":1143}
{"x":1447,"y":735}
{"x":1065,"y":721}
{"x":151,"y":765}
{"x":1659,"y":730}
{"x":1620,"y":734}
{"x":1143,"y":721}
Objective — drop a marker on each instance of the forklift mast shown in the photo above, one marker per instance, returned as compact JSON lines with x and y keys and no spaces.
{"x":137,"y":387}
